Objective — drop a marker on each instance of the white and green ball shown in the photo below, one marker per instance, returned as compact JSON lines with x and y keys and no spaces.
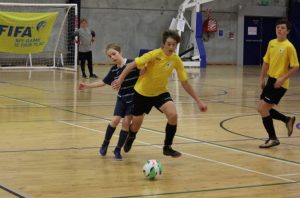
{"x":152,"y":168}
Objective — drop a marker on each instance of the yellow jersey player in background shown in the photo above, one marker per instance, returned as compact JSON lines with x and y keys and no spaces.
{"x":151,"y":89}
{"x":280,"y":63}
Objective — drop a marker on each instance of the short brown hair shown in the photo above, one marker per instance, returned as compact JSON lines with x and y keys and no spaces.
{"x":284,"y":21}
{"x":170,"y":33}
{"x":114,"y":46}
{"x":83,"y":20}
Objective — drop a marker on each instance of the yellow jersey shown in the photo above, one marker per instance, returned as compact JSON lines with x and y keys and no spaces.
{"x":280,"y":56}
{"x":159,"y":68}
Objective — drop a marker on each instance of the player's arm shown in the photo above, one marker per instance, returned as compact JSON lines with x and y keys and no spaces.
{"x":116,"y":84}
{"x":83,"y":86}
{"x":75,"y":36}
{"x":190,"y":90}
{"x":263,"y":74}
{"x":294,"y":66}
{"x":140,"y":63}
{"x":93,"y":35}
{"x":283,"y":78}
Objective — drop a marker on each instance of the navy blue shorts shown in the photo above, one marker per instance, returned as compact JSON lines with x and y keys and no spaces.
{"x":270,"y":94}
{"x":122,"y":108}
{"x":144,"y":104}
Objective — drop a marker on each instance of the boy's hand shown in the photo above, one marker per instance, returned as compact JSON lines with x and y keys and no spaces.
{"x":279,"y":82}
{"x":202,"y":106}
{"x":262,"y":83}
{"x":116,"y":84}
{"x":82,"y":86}
{"x":142,"y":71}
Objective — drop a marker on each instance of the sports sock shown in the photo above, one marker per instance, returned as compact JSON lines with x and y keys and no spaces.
{"x":170,"y":133}
{"x":269,"y":126}
{"x":131,"y":134}
{"x":108,"y":134}
{"x":122,"y":138}
{"x":278,"y":116}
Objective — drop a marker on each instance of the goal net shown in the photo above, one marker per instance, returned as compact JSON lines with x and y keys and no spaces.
{"x":38,"y":36}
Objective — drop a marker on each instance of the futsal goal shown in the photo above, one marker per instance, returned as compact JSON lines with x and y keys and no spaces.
{"x":38,"y":36}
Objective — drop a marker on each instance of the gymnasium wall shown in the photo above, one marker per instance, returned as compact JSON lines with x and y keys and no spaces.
{"x":134,"y":24}
{"x":137,"y":24}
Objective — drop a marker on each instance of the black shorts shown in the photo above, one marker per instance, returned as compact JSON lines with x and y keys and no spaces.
{"x":270,"y":94}
{"x":122,"y":108}
{"x":144,"y":104}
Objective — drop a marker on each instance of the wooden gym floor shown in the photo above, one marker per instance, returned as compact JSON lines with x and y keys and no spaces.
{"x":50,"y":136}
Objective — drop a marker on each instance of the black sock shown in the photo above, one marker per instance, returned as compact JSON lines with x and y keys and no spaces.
{"x":122,"y":138}
{"x":269,"y":126}
{"x":278,"y":116}
{"x":131,"y":134}
{"x":108,"y":134}
{"x":170,"y":133}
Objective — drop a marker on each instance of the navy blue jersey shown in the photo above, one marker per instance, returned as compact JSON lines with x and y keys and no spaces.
{"x":126,"y":90}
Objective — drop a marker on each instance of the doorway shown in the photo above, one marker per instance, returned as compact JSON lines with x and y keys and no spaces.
{"x":258,"y":31}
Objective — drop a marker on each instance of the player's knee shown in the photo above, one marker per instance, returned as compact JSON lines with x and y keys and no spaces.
{"x":172,"y":117}
{"x":135,"y":128}
{"x":125,"y":125}
{"x":259,"y":110}
{"x":115,"y":121}
{"x":263,"y":111}
{"x":136,"y":124}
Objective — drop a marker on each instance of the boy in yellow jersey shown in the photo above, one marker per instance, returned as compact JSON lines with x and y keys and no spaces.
{"x":280,"y":62}
{"x":151,"y":89}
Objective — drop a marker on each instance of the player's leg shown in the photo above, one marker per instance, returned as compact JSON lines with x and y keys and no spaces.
{"x":122,"y":136}
{"x":135,"y":126}
{"x":81,"y":56}
{"x":90,"y":64}
{"x":119,"y":113}
{"x":289,"y":121}
{"x":109,"y":133}
{"x":270,"y":96}
{"x":169,"y":109}
{"x":264,"y":110}
{"x":142,"y":105}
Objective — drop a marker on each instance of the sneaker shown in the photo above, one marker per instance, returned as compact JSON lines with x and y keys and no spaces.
{"x":290,"y":125}
{"x":128,"y":144}
{"x":168,"y":151}
{"x":103,"y":150}
{"x":84,"y":76}
{"x":93,"y":76}
{"x":270,"y":143}
{"x":118,"y":155}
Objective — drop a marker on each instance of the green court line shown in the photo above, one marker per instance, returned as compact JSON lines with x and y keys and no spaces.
{"x":210,"y":190}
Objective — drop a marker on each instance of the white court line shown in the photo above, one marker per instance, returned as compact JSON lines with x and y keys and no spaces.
{"x":38,"y":105}
{"x":191,"y":155}
{"x":291,"y":174}
{"x":226,"y":148}
{"x":190,"y":118}
{"x":91,"y":122}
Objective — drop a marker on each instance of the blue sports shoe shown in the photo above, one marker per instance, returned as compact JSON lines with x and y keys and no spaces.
{"x":103,"y":150}
{"x":118,"y":155}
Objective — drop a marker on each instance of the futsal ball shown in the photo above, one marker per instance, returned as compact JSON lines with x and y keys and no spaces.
{"x":152,"y":168}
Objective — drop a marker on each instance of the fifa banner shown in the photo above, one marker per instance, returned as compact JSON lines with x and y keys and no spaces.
{"x":24,"y":33}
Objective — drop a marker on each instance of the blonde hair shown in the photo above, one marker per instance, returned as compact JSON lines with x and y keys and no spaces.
{"x":114,"y":46}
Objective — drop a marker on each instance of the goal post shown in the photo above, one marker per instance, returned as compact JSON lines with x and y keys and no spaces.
{"x":38,"y":36}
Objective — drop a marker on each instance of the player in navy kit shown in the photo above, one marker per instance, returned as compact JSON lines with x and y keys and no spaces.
{"x":124,"y":104}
